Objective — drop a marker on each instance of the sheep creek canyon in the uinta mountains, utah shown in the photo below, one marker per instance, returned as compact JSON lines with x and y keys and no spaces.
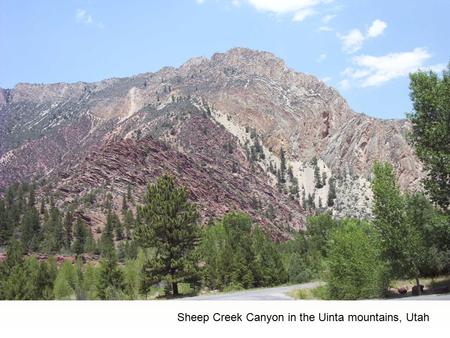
{"x":224,"y":168}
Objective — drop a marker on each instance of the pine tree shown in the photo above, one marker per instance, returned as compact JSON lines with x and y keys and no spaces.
{"x":42,"y":207}
{"x":53,"y":234}
{"x":129,"y":194}
{"x":128,"y":221}
{"x":169,"y":224}
{"x":80,"y":237}
{"x":31,"y":230}
{"x":290,"y":173}
{"x":324,"y":178}
{"x":118,"y":226}
{"x":282,"y":178}
{"x":4,"y":231}
{"x":124,"y":203}
{"x":111,"y":280}
{"x":14,"y":277}
{"x":31,"y":197}
{"x":107,"y":239}
{"x":331,"y":192}
{"x":317,"y":177}
{"x":68,"y":230}
{"x":310,"y":202}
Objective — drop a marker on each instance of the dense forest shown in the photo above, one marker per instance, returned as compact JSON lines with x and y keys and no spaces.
{"x":163,"y":250}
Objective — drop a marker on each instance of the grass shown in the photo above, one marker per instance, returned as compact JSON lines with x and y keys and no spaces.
{"x":319,"y":292}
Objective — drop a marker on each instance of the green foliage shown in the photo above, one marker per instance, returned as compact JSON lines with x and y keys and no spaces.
{"x":169,"y":224}
{"x":80,"y":237}
{"x":107,"y":239}
{"x":68,"y":230}
{"x":389,"y":212}
{"x":132,"y":276}
{"x":300,"y":264}
{"x":317,"y":177}
{"x":430,"y":135}
{"x":89,"y":283}
{"x":25,"y":279}
{"x":41,"y":277}
{"x":433,"y":230}
{"x":67,"y":282}
{"x":62,"y":289}
{"x":128,"y":222}
{"x":53,"y":231}
{"x":414,"y":235}
{"x":13,"y":274}
{"x":355,"y":267}
{"x":282,"y":171}
{"x":31,"y":232}
{"x":110,"y":283}
{"x":236,"y":256}
{"x":318,"y":232}
{"x":331,"y":192}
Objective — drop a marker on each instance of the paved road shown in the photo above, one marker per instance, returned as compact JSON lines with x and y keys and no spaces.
{"x":277,"y":293}
{"x":280,"y":293}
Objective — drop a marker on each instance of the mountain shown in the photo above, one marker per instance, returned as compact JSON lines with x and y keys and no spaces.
{"x":219,"y":125}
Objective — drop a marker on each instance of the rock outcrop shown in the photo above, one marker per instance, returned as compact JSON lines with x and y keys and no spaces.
{"x":202,"y":122}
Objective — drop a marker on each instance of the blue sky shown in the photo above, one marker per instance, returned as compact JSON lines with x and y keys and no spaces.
{"x":363,"y":48}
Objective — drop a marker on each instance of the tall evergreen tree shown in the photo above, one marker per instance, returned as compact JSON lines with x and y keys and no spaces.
{"x":53,"y":230}
{"x":169,"y":224}
{"x":13,"y":278}
{"x":128,"y":221}
{"x":110,"y":279}
{"x":107,"y":239}
{"x":80,"y":237}
{"x":5,"y":228}
{"x":282,"y":178}
{"x":68,"y":230}
{"x":317,"y":177}
{"x":31,"y":233}
{"x":31,"y":197}
{"x":331,"y":192}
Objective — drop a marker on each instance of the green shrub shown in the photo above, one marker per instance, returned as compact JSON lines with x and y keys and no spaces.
{"x":354,"y":266}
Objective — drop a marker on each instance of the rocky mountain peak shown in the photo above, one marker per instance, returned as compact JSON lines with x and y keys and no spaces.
{"x":226,"y":119}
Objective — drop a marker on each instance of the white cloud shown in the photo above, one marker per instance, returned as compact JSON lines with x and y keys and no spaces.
{"x":82,"y":16}
{"x":344,"y":84}
{"x":301,"y":15}
{"x":377,"y":28}
{"x":376,"y":70}
{"x":327,"y":18}
{"x":321,"y":57}
{"x":300,"y":9}
{"x":325,"y":29}
{"x":326,"y":79}
{"x":353,"y":40}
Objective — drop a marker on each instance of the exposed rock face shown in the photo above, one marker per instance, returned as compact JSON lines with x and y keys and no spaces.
{"x":194,"y":122}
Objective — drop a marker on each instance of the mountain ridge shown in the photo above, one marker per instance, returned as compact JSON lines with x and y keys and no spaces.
{"x":255,"y":98}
